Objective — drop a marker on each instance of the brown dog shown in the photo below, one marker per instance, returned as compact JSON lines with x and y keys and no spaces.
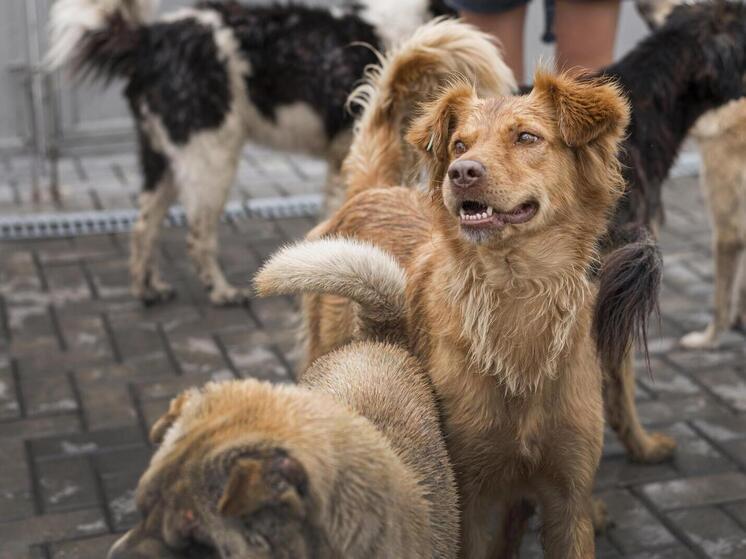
{"x":498,"y":299}
{"x":351,"y":464}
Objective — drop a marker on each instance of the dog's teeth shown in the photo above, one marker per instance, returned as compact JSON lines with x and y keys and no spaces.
{"x":484,"y":215}
{"x":462,"y":213}
{"x":490,"y":210}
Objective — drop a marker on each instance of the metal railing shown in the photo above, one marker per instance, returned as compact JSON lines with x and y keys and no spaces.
{"x":57,"y":225}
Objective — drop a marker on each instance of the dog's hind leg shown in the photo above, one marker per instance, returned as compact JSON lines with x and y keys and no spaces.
{"x":335,"y":189}
{"x":157,"y":195}
{"x":727,"y":255}
{"x":621,"y":413}
{"x":739,"y":321}
{"x":567,"y":523}
{"x":147,"y":284}
{"x":204,"y":178}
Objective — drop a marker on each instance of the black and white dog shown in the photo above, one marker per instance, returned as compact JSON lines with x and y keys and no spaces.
{"x":202,"y":81}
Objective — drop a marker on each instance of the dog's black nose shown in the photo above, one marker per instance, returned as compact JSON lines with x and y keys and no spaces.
{"x":466,"y":173}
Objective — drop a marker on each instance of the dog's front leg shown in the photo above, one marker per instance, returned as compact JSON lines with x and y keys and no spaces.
{"x":567,"y":521}
{"x":204,"y":180}
{"x":483,"y":521}
{"x":727,"y":255}
{"x":621,"y":413}
{"x":739,"y":320}
{"x":146,"y":282}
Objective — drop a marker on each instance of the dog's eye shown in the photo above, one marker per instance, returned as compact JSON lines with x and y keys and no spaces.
{"x":459,"y":147}
{"x":527,"y":138}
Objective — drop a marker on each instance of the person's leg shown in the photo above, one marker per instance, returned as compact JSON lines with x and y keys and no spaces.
{"x":507,"y":26}
{"x":586,"y":32}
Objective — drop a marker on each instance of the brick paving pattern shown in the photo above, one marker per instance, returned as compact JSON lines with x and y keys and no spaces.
{"x":109,"y":182}
{"x":85,"y":370}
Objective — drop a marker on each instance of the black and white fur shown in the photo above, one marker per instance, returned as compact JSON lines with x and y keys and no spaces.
{"x":202,"y":81}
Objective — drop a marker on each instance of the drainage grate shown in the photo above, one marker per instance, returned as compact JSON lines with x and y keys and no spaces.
{"x":55,"y":225}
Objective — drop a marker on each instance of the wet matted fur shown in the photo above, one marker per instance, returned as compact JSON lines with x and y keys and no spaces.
{"x":202,"y":81}
{"x":721,"y":135}
{"x":351,"y":464}
{"x":695,"y":62}
{"x":498,"y":301}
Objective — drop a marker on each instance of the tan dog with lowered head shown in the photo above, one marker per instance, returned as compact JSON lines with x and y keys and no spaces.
{"x":349,"y":465}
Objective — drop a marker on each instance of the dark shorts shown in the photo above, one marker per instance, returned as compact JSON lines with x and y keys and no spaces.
{"x":486,"y":6}
{"x":497,"y":6}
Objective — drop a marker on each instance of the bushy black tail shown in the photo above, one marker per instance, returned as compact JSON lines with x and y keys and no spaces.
{"x":627,"y":296}
{"x":97,"y":38}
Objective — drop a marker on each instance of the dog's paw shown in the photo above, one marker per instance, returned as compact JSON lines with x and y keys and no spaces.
{"x":701,"y":339}
{"x":657,"y":448}
{"x":601,"y":520}
{"x":155,"y":294}
{"x":230,"y":296}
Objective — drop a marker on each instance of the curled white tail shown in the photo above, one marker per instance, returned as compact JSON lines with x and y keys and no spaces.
{"x":70,"y":20}
{"x":360,"y":271}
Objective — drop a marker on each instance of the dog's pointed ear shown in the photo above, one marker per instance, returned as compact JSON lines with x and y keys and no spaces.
{"x":258,"y":482}
{"x":587,"y":109}
{"x":431,"y":131}
{"x":160,"y":428}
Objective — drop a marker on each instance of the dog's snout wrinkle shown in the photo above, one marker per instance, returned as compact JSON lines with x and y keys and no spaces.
{"x":466,"y":173}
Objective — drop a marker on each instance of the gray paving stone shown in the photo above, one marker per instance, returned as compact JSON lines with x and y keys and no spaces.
{"x":94,"y":547}
{"x":712,"y":531}
{"x":695,"y":455}
{"x":82,"y":444}
{"x":9,"y":405}
{"x":666,"y":380}
{"x":673,"y":552}
{"x":723,"y":428}
{"x":40,"y":426}
{"x":17,"y":536}
{"x":16,"y":499}
{"x":67,"y":484}
{"x":634,"y":527}
{"x":48,"y":394}
{"x":729,"y":385}
{"x":120,"y":499}
{"x":697,"y":361}
{"x":620,"y":472}
{"x":697,"y":491}
{"x":198,"y":354}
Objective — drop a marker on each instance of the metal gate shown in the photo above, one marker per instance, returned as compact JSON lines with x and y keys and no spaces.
{"x":46,"y":115}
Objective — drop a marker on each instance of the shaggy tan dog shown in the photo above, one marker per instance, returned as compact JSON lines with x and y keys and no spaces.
{"x":722,"y":141}
{"x":497,"y":301}
{"x":351,"y":464}
{"x":721,"y":135}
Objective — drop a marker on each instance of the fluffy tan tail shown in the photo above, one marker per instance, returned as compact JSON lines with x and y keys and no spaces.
{"x":337,"y":266}
{"x":436,"y":54}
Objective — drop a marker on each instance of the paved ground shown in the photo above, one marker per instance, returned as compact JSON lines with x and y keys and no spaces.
{"x":84,"y":370}
{"x":113,"y":182}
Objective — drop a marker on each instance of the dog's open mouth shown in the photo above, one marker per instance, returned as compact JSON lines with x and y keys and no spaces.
{"x":478,"y":215}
